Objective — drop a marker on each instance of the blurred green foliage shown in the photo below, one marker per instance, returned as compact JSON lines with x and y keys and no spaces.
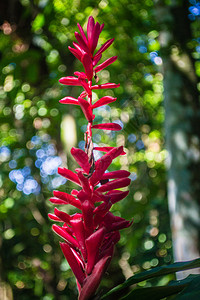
{"x":34,"y":38}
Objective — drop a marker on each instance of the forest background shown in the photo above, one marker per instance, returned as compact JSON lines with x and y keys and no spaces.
{"x":158,"y":67}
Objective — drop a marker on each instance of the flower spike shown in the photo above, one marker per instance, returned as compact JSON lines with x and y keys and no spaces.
{"x":90,"y":234}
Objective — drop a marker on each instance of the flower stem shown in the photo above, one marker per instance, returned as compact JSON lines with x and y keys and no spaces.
{"x":88,"y":134}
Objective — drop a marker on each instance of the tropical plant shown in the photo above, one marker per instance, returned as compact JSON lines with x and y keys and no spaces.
{"x":91,"y":233}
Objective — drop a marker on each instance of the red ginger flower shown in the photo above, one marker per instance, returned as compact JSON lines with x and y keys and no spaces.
{"x":90,"y":234}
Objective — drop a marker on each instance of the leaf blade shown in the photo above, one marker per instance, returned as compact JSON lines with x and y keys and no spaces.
{"x":156,"y":272}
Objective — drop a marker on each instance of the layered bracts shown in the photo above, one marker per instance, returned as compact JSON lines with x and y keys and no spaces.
{"x":90,"y":234}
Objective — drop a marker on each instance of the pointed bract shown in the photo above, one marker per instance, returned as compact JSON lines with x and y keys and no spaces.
{"x":82,"y":158}
{"x":57,"y":201}
{"x":117,"y":195}
{"x":103,"y":101}
{"x":93,"y":242}
{"x":90,"y":29}
{"x":78,"y":229}
{"x":115,"y":184}
{"x":54,"y":218}
{"x":67,"y":198}
{"x":87,"y":210}
{"x":65,"y":235}
{"x":96,"y":60}
{"x":115,"y":152}
{"x":107,"y":149}
{"x":69,"y":175}
{"x":69,"y":100}
{"x":88,"y":66}
{"x":70,"y":80}
{"x":92,"y":282}
{"x":96,"y":33}
{"x":75,"y":52}
{"x":105,"y":86}
{"x":108,"y":126}
{"x":85,"y":184}
{"x":100,"y":168}
{"x":116,"y":174}
{"x":62,"y":215}
{"x":82,"y":34}
{"x":81,"y":42}
{"x":104,"y":47}
{"x":86,"y":108}
{"x":77,"y":270}
{"x":105,"y":64}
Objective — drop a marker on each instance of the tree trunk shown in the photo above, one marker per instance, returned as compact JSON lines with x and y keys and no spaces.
{"x":182,"y":130}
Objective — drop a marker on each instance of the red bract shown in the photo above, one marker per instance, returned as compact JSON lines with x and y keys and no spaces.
{"x":103,"y":101}
{"x":106,"y":63}
{"x":108,"y":126}
{"x":90,"y":234}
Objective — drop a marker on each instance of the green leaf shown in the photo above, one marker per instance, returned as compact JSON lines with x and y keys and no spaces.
{"x":158,"y":271}
{"x":192,"y":291}
{"x":155,"y":293}
{"x":173,"y":288}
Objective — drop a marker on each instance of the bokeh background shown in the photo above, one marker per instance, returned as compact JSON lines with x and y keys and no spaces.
{"x":158,"y":67}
